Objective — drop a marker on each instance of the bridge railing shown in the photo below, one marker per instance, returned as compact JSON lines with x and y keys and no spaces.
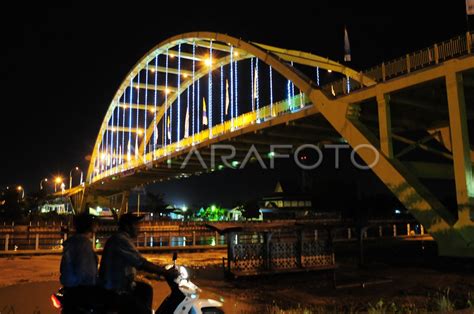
{"x":452,"y":48}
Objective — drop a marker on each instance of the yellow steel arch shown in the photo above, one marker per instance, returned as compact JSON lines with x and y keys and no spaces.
{"x":270,"y":55}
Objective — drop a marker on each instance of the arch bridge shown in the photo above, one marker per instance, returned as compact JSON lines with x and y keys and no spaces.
{"x":202,"y":88}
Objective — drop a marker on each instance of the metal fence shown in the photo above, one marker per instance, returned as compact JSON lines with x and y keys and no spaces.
{"x":449,"y":49}
{"x":175,"y":234}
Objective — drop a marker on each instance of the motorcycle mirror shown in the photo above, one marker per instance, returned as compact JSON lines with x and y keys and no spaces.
{"x":175,"y":256}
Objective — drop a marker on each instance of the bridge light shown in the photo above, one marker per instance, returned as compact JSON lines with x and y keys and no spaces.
{"x":236,"y":54}
{"x":58,"y":180}
{"x":185,"y":75}
{"x":152,"y":70}
{"x":140,"y":132}
{"x":171,"y":55}
{"x":208,"y":61}
{"x":103,"y":156}
{"x":167,"y":91}
{"x":329,"y":71}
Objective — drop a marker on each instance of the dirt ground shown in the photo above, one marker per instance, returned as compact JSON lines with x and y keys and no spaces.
{"x":390,"y":287}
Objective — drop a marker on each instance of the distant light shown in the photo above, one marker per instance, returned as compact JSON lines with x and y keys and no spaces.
{"x":213,"y":207}
{"x":271,"y":154}
{"x":19,"y":188}
{"x":184,"y":208}
{"x":58,"y":180}
{"x":235,"y":163}
{"x":220,"y":167}
{"x":77,"y":168}
{"x":397,"y":211}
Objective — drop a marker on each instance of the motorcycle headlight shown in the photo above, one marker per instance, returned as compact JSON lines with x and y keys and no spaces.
{"x":183,"y":272}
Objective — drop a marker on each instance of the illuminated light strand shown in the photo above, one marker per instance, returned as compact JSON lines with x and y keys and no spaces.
{"x":288,"y":93}
{"x":271,"y":91}
{"x":117,"y":136}
{"x":236,"y":94}
{"x":145,"y":115}
{"x":129,"y":144}
{"x":186,"y":126}
{"x":179,"y":95}
{"x":137,"y":115}
{"x":222,"y":94}
{"x":170,"y":114}
{"x":111,"y":148}
{"x":292,"y":92}
{"x":99,"y":164}
{"x":123,"y":134}
{"x":301,"y":99}
{"x":209,"y":91}
{"x":155,"y":98}
{"x":257,"y":95}
{"x":252,"y":85}
{"x":193,"y":88}
{"x":198,"y":104}
{"x":232,"y":87}
{"x":348,"y":81}
{"x":317,"y":76}
{"x":166,"y":100}
{"x":106,"y":135}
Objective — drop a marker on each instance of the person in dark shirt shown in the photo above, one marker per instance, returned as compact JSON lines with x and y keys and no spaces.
{"x":78,"y":269}
{"x":119,"y":264}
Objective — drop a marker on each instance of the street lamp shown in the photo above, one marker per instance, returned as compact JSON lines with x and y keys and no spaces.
{"x":22,"y":190}
{"x":70,"y":176}
{"x":57,"y":181}
{"x":41,"y":182}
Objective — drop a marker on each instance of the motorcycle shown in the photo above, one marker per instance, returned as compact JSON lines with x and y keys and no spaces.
{"x":184,"y":298}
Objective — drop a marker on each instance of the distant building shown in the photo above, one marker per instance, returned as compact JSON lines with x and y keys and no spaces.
{"x":287,"y":202}
{"x":59,"y":205}
{"x":58,"y":208}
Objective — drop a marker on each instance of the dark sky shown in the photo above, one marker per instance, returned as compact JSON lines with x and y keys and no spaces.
{"x":60,"y":67}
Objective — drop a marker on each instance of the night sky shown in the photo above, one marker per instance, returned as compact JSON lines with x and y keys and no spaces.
{"x":61,"y":67}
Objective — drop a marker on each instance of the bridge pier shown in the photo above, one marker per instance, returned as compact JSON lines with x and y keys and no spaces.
{"x":461,"y":150}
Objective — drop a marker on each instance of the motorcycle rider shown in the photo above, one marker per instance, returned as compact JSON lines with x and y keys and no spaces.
{"x":120,"y":260}
{"x":79,"y":262}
